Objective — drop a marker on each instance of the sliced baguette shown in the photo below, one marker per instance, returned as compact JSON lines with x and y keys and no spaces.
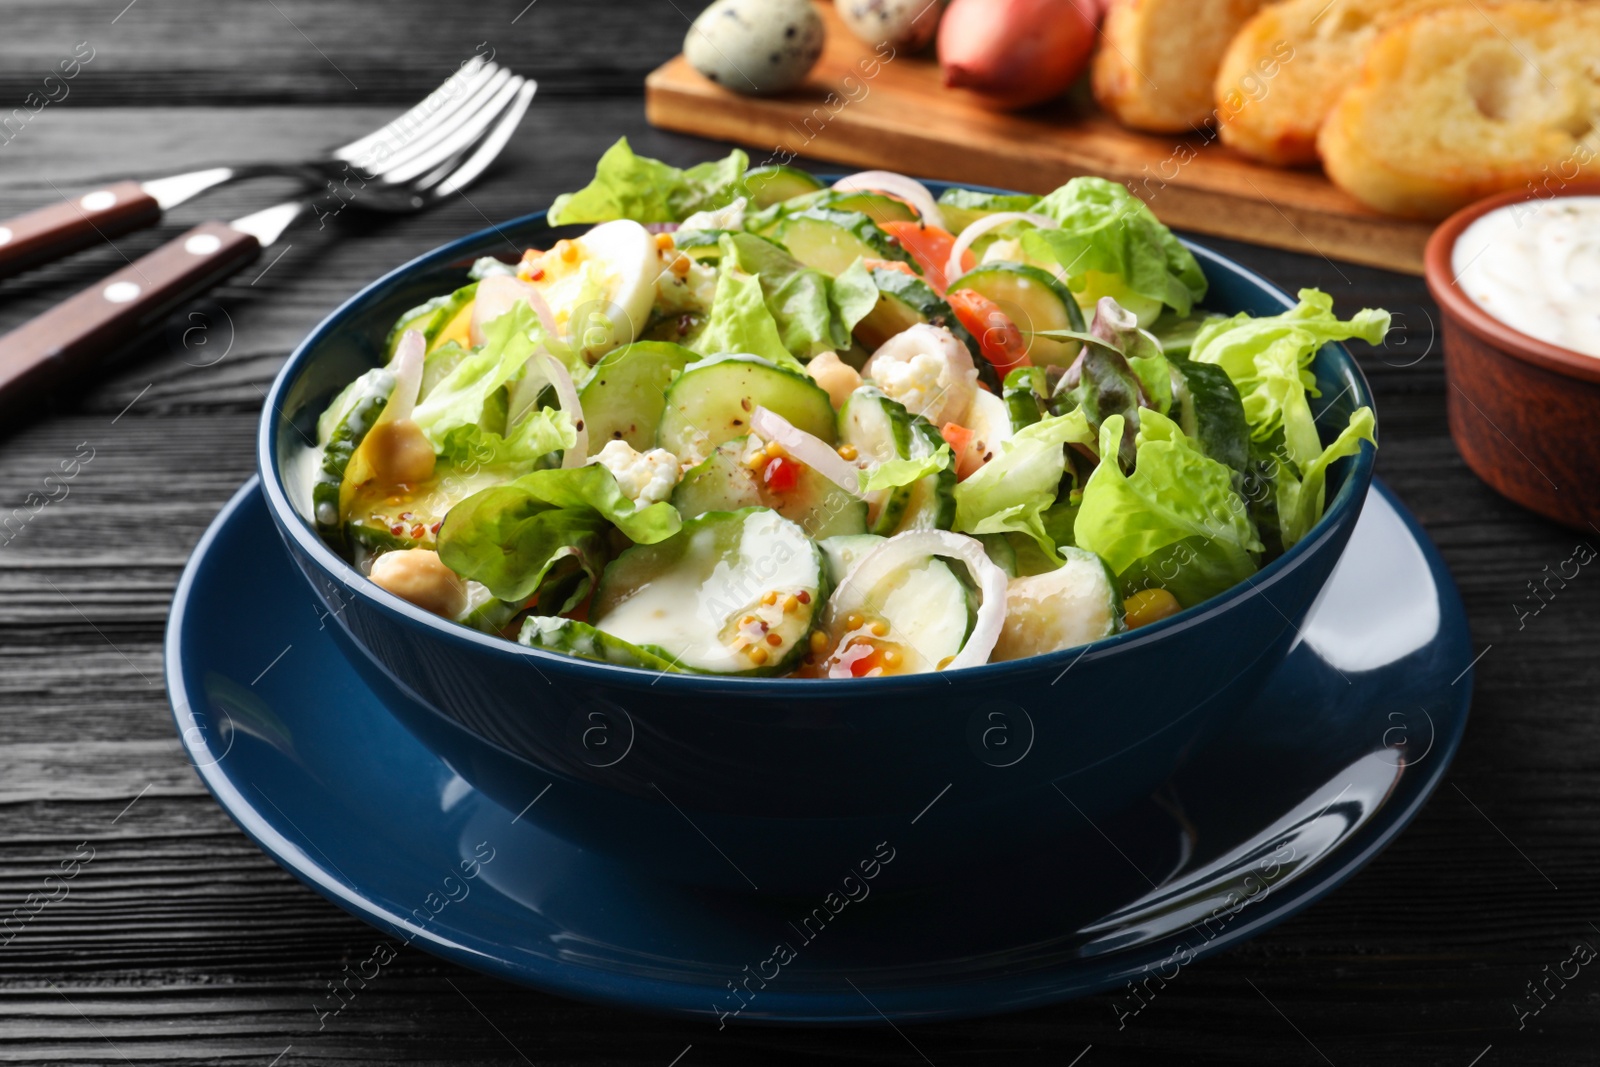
{"x":1287,"y":66}
{"x":1458,"y":103}
{"x":1156,"y":66}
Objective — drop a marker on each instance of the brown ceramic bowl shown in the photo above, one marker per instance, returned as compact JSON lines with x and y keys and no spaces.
{"x":1525,"y":414}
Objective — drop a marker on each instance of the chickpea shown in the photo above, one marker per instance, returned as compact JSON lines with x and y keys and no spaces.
{"x":399,"y":453}
{"x":418,"y":575}
{"x":836,"y":377}
{"x":1148,"y":606}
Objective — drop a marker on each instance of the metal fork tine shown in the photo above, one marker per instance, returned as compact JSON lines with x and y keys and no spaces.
{"x":400,"y":164}
{"x":452,"y":143}
{"x":491,"y":145}
{"x":427,"y":114}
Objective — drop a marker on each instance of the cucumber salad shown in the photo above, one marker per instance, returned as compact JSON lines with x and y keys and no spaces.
{"x":752,"y":424}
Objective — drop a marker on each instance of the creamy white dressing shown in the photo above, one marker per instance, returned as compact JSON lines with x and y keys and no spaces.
{"x":299,"y":475}
{"x":1536,"y":267}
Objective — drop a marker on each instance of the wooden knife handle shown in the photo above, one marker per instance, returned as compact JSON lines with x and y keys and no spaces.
{"x":65,"y":227}
{"x":75,"y":337}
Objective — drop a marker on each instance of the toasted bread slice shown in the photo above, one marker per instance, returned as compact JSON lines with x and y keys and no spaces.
{"x":1287,"y":66}
{"x":1157,"y":64}
{"x":1462,"y":102}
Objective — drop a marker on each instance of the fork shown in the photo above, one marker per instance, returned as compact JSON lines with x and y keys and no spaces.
{"x":79,"y":333}
{"x":384,"y":164}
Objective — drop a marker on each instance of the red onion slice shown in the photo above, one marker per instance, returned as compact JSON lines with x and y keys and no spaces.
{"x":965,"y":239}
{"x":578,"y":454}
{"x":910,"y":190}
{"x":903,"y":550}
{"x":813,"y":451}
{"x":406,"y":366}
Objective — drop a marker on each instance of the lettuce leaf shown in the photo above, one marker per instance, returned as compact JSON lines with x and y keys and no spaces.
{"x":458,"y":398}
{"x":629,"y":186}
{"x":1174,"y":523}
{"x":538,"y":434}
{"x":515,"y":538}
{"x":800,"y":298}
{"x":1301,"y":500}
{"x":1111,"y":244}
{"x":894,"y":473}
{"x":1012,"y":492}
{"x":741,"y":322}
{"x":1269,"y":360}
{"x":854,"y":296}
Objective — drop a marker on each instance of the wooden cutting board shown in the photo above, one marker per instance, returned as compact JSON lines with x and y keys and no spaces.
{"x":858,"y":108}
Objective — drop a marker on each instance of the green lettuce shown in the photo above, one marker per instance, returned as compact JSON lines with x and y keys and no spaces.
{"x":1013,"y":491}
{"x":741,"y":322}
{"x":458,"y":398}
{"x":1269,"y":360}
{"x":546,"y":529}
{"x":1175,"y":523}
{"x":537,"y":434}
{"x":894,"y":473}
{"x":1300,"y":500}
{"x":1111,"y":244}
{"x":629,"y":186}
{"x":800,"y":298}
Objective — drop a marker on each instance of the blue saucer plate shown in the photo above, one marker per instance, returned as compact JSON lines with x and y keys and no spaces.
{"x":1349,"y":738}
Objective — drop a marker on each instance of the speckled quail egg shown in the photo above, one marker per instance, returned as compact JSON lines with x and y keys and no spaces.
{"x":756,"y":47}
{"x":905,"y":25}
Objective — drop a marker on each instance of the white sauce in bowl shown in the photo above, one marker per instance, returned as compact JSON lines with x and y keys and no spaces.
{"x":1536,"y":267}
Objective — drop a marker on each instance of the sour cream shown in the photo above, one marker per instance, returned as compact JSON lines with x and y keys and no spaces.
{"x":1536,"y":267}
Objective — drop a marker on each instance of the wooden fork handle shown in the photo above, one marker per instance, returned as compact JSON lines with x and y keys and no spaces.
{"x":75,"y":337}
{"x":62,"y":228}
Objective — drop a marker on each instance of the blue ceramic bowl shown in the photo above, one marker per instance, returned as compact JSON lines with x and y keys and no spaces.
{"x":787,"y":784}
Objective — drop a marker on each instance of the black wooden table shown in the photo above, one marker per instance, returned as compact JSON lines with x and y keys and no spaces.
{"x":181,"y":943}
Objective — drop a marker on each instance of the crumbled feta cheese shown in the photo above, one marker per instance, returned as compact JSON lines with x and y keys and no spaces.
{"x":645,"y":477}
{"x":723,"y":218}
{"x":914,"y":383}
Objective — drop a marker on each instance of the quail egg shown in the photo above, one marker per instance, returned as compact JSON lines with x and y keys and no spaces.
{"x":905,"y":25}
{"x":756,"y":47}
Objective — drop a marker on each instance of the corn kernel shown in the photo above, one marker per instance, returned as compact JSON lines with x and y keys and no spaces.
{"x":567,"y":250}
{"x":775,"y":450}
{"x":1148,"y":606}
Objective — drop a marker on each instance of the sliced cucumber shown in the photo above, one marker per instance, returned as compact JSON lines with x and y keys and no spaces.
{"x":876,"y":206}
{"x":379,"y":517}
{"x":431,"y":318}
{"x":1062,"y":608}
{"x":841,"y":553}
{"x":903,"y":302}
{"x":702,"y":245}
{"x":1001,"y":553}
{"x":626,"y":393}
{"x":487,"y":613}
{"x":359,"y":407}
{"x":699,"y":598}
{"x":773,"y":185}
{"x":1033,"y":300}
{"x":711,"y":402}
{"x":574,"y":638}
{"x":929,"y":613}
{"x":1211,"y":412}
{"x":962,"y":207}
{"x":726,"y":482}
{"x":880,"y":430}
{"x":832,"y":240}
{"x":931,"y":504}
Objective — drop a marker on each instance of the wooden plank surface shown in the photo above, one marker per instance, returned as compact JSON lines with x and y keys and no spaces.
{"x":860,"y":109}
{"x":181,"y":944}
